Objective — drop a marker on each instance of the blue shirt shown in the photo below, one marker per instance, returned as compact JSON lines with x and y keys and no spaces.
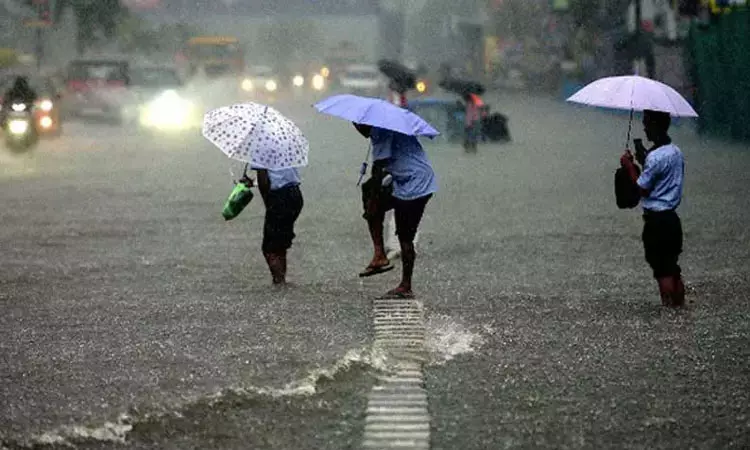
{"x":412,"y":172}
{"x":662,"y":175}
{"x":280,"y":178}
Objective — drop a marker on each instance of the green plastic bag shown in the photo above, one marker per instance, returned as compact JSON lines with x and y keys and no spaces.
{"x":237,"y":201}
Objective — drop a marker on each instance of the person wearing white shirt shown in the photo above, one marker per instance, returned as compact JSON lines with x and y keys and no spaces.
{"x":280,"y":189}
{"x":660,"y":186}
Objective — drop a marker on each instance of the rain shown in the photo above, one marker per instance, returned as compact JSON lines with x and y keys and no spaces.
{"x":190,"y":226}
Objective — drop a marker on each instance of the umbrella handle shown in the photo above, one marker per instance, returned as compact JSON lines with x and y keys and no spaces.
{"x":244,"y":174}
{"x":362,"y":172}
{"x":630,"y":129}
{"x":363,"y":168}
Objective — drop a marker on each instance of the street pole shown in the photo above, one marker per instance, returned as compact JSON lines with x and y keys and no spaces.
{"x":636,"y":49}
{"x":39,"y":51}
{"x":392,"y":28}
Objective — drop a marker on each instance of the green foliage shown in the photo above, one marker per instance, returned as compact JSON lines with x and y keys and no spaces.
{"x":96,"y":19}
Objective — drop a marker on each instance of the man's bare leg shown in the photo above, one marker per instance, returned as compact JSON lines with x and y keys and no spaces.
{"x":393,"y":245}
{"x":678,"y":298}
{"x":666,"y":290}
{"x":277,"y":265}
{"x":408,"y":256}
{"x":379,"y":258}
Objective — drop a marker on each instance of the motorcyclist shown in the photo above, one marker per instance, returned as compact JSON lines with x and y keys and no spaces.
{"x":20,"y":92}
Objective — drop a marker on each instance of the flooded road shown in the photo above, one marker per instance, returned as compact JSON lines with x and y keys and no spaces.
{"x":135,"y":317}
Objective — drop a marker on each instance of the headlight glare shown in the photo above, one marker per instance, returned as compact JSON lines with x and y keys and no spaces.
{"x":18,"y":126}
{"x":167,"y":111}
{"x":318,"y":82}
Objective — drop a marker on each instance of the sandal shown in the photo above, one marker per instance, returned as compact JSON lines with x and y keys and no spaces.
{"x":376,"y":270}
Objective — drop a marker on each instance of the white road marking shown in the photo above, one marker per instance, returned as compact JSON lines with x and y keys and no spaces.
{"x":397,"y":415}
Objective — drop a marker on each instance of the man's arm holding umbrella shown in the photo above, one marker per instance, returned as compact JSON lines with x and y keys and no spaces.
{"x":263,"y":183}
{"x":646,"y":180}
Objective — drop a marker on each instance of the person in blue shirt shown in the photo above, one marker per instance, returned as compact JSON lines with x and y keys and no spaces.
{"x":280,"y":190}
{"x":402,"y":179}
{"x":660,"y":186}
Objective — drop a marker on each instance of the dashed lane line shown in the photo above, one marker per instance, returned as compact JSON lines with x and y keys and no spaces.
{"x":397,"y":415}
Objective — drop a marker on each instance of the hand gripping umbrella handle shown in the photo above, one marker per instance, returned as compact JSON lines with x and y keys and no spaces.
{"x":363,"y":168}
{"x":362,"y":172}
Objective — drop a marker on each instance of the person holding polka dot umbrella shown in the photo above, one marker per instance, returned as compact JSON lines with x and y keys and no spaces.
{"x":275,"y":148}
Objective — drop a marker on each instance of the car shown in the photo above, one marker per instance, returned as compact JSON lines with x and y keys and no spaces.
{"x":156,"y":99}
{"x":97,"y":86}
{"x":261,"y":81}
{"x":47,"y":111}
{"x":362,"y":79}
{"x":306,"y":78}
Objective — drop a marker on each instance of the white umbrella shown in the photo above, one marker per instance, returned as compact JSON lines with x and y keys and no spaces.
{"x":256,"y":134}
{"x":633,"y":93}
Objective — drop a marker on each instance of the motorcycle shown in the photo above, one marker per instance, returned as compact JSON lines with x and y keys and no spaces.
{"x":20,"y":130}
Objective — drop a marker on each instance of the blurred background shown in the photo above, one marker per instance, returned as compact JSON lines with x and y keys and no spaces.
{"x":544,"y":46}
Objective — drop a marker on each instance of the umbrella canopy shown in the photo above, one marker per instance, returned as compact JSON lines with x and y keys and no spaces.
{"x":633,"y":93}
{"x":462,"y":87}
{"x":399,"y":74}
{"x":377,"y":113}
{"x":256,"y":134}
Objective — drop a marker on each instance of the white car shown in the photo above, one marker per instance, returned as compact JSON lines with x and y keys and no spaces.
{"x":363,"y":80}
{"x":157,"y":99}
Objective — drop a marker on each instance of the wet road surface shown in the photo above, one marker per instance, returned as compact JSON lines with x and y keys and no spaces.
{"x":126,"y":297}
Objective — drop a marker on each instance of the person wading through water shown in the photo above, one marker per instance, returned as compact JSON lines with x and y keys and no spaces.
{"x":280,"y":190}
{"x":660,"y":186}
{"x":397,"y":96}
{"x":413,"y":183}
{"x":473,"y":123}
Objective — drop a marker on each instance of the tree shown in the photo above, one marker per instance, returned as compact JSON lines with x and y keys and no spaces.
{"x":95,"y":19}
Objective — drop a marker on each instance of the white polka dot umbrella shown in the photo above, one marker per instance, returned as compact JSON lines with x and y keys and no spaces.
{"x":256,"y":134}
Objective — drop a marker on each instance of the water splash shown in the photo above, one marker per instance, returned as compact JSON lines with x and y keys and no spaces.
{"x":447,"y":338}
{"x":118,"y":431}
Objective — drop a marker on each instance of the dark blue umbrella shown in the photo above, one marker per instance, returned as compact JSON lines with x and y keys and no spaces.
{"x":377,"y":113}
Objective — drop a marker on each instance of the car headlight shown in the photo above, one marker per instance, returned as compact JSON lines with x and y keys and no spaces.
{"x":318,"y":82}
{"x":18,"y":107}
{"x":325,"y":71}
{"x":421,"y":86}
{"x":298,"y":81}
{"x":46,"y":105}
{"x":45,"y":122}
{"x":247,"y":85}
{"x":18,"y":126}
{"x":271,"y":85}
{"x":167,"y":111}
